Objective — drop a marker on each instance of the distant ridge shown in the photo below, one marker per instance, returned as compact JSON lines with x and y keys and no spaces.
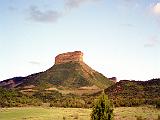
{"x":133,"y":93}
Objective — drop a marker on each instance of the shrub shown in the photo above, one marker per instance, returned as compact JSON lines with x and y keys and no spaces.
{"x":139,"y":117}
{"x":64,"y":118}
{"x":102,"y":109}
{"x":158,"y":117}
{"x":158,"y":104}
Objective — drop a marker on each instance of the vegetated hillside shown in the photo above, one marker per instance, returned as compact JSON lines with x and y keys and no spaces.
{"x":13,"y":98}
{"x":67,"y":75}
{"x":71,"y":75}
{"x":66,"y":84}
{"x":133,"y":93}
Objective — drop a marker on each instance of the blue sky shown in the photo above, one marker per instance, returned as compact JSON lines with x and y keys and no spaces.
{"x":119,"y":38}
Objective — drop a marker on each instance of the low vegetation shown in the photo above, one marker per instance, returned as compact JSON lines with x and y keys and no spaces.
{"x":13,"y":98}
{"x":122,"y":94}
{"x":136,"y":113}
{"x":135,"y":93}
{"x":48,"y":113}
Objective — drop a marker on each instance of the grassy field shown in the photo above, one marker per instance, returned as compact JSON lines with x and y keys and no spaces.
{"x":39,"y":113}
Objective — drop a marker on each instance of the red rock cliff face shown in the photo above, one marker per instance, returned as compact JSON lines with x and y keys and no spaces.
{"x":76,"y":56}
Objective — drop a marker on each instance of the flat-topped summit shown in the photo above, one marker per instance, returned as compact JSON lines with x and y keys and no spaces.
{"x":68,"y":72}
{"x":76,"y":56}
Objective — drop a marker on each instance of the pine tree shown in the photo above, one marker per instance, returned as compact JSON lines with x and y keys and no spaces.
{"x":102,"y":109}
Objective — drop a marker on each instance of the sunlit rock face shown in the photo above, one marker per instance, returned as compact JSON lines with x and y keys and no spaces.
{"x":76,"y":56}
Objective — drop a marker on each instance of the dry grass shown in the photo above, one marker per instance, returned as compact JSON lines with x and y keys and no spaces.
{"x":29,"y":87}
{"x":40,"y":113}
{"x":80,"y":91}
{"x":132,"y":113}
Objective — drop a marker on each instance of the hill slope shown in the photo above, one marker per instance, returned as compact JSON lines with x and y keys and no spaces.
{"x":69,"y":72}
{"x":129,"y":93}
{"x":67,"y":75}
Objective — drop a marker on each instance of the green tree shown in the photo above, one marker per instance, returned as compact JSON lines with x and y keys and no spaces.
{"x":102,"y":109}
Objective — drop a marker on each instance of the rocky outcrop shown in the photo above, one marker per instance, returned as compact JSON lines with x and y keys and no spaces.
{"x":76,"y":56}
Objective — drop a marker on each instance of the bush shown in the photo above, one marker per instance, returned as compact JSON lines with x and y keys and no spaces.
{"x":158,"y":117}
{"x":158,"y":104}
{"x":139,"y":118}
{"x":102,"y":109}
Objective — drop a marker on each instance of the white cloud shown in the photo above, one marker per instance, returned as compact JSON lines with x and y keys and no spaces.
{"x":34,"y":62}
{"x":156,"y":8}
{"x":128,"y":25}
{"x":50,"y":16}
{"x":76,"y":3}
{"x":129,"y":3}
{"x":152,"y":42}
{"x":43,"y":16}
